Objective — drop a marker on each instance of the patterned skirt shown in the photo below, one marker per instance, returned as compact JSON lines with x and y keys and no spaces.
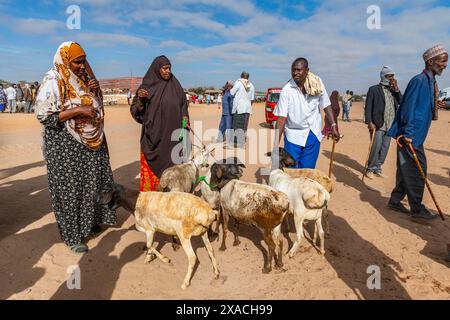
{"x":149,"y":181}
{"x":76,"y":175}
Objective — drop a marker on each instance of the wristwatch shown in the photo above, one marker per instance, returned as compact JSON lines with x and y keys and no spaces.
{"x":334,"y":124}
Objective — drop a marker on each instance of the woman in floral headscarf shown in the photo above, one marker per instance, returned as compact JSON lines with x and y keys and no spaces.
{"x":70,"y":107}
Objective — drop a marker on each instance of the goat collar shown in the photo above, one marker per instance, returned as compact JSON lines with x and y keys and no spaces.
{"x":203,"y":179}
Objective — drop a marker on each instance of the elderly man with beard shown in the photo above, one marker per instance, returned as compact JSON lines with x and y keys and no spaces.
{"x":381,"y":105}
{"x":411,"y":124}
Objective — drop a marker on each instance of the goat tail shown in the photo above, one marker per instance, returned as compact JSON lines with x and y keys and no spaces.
{"x":207,"y":218}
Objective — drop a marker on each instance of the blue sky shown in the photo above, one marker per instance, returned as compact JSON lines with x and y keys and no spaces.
{"x":212,"y":41}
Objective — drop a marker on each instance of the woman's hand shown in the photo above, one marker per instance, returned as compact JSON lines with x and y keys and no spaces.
{"x":142,"y":93}
{"x":187,"y":122}
{"x":94,"y":85}
{"x":86,"y":112}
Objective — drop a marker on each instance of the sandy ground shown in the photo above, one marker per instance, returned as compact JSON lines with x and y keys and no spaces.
{"x":410,"y":255}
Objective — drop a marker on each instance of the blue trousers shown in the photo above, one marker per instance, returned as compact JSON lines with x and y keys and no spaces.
{"x":306,"y":157}
{"x":346,"y":112}
{"x":226,"y":124}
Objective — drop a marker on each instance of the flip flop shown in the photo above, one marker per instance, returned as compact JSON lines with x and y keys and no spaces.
{"x":79,"y":248}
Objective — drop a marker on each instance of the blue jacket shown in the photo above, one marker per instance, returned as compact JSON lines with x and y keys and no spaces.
{"x":413,"y":118}
{"x":227,"y":104}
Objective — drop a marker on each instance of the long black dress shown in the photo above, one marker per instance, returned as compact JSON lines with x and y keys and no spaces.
{"x":161,"y":116}
{"x":76,"y":175}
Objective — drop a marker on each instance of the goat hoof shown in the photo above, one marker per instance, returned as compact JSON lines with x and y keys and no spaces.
{"x":150,"y":257}
{"x":266,"y":270}
{"x":279,"y":266}
{"x":322,"y":252}
{"x":236,"y":243}
{"x":165,"y":260}
{"x":184,"y":286}
{"x":217,"y":275}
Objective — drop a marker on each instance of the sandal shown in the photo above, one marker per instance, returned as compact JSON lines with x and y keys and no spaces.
{"x":79,"y":248}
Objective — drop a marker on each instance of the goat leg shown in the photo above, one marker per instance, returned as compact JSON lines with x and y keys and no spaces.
{"x":321,"y":235}
{"x":218,"y":221}
{"x":225,"y":216}
{"x":278,"y":247}
{"x":211,"y":255}
{"x":192,"y":258}
{"x":236,"y":233}
{"x":175,"y":245}
{"x":299,"y":231}
{"x":271,"y":245}
{"x":150,"y":256}
{"x":327,"y":224}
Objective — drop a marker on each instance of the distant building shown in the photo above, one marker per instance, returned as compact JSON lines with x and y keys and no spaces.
{"x":120,"y":85}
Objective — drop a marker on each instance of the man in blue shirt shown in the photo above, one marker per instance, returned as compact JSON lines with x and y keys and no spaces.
{"x":413,"y":119}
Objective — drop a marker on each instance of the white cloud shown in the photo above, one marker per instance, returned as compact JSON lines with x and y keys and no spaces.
{"x":106,"y":39}
{"x":175,"y":44}
{"x":33,"y":26}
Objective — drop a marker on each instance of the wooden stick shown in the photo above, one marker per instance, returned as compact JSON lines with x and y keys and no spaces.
{"x":331,"y":159}
{"x":368,"y":156}
{"x":425,"y":179}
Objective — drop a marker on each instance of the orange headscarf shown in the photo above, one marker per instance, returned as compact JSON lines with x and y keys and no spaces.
{"x":75,"y":51}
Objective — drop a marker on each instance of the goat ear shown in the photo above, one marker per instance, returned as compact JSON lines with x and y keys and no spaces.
{"x":269,"y":154}
{"x":219,"y":172}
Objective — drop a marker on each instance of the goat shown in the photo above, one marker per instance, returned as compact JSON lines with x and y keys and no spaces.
{"x":286,"y":160}
{"x":308,"y":199}
{"x":182,"y":177}
{"x":211,"y":194}
{"x":173,"y":213}
{"x":254,"y":204}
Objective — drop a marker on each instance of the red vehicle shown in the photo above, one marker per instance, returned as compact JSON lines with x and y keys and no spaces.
{"x":272,"y":97}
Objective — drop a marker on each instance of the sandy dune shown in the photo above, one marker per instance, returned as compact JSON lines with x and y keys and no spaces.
{"x":364,"y":232}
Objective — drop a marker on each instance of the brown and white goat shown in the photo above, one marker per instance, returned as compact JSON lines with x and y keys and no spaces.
{"x":253,"y":204}
{"x":172,"y":213}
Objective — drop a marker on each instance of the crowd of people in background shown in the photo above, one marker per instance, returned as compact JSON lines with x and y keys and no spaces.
{"x":17,"y":98}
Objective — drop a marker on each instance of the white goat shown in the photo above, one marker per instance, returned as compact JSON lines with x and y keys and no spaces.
{"x":172,"y":213}
{"x":308,"y":200}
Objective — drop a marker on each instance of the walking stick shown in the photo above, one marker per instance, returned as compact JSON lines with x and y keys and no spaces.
{"x":422,"y":173}
{"x":331,"y":158}
{"x":372,"y":136}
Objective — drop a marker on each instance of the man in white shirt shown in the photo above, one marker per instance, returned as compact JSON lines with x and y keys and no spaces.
{"x":299,"y":118}
{"x":11,"y":94}
{"x":243,"y":92}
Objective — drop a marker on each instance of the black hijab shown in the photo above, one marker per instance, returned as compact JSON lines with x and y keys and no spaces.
{"x":161,"y":115}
